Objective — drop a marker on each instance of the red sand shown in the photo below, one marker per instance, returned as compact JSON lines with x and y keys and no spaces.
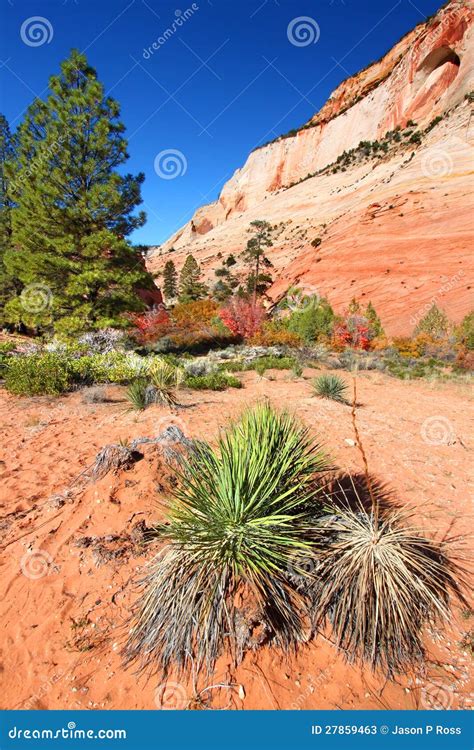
{"x":64,"y":611}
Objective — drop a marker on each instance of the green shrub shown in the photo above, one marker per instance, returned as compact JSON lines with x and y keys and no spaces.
{"x":271,"y":362}
{"x":260,"y":364}
{"x":315,"y":319}
{"x":214,"y":381}
{"x":465,"y":331}
{"x":47,"y":373}
{"x":236,"y":365}
{"x":113,"y":367}
{"x":5,"y":348}
{"x":435,"y":323}
{"x":332,"y":387}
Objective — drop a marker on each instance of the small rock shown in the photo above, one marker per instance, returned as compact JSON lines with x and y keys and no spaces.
{"x":350,"y":442}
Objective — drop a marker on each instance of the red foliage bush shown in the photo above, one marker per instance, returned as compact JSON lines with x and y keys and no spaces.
{"x":353,"y":331}
{"x":151,"y":325}
{"x":243,"y":317}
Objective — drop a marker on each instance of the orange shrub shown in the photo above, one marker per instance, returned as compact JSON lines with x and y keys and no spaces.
{"x":379,"y":343}
{"x":272,"y":335}
{"x":465,"y":359}
{"x":407,"y":347}
{"x":193,"y":314}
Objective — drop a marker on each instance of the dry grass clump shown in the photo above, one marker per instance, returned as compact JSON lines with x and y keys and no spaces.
{"x":379,"y":583}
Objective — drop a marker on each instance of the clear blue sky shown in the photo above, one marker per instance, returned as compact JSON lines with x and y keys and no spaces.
{"x":225,"y":79}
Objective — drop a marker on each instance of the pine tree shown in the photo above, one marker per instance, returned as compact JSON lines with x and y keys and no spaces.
{"x":354,"y":307}
{"x":73,"y":209}
{"x":435,"y":323}
{"x":170,"y":279}
{"x":227,"y":281}
{"x":190,"y":286}
{"x":8,"y":287}
{"x":254,"y":256}
{"x":374,"y":320}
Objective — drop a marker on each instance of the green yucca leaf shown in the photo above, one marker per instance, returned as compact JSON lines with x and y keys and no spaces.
{"x":332,"y":387}
{"x":239,"y":514}
{"x":136,"y":394}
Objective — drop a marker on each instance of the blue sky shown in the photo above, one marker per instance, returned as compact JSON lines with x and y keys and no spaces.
{"x":224,"y":77}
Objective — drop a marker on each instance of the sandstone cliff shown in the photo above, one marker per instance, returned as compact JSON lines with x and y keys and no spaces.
{"x":395,"y":225}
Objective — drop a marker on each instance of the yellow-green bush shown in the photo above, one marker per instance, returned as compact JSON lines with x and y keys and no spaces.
{"x":46,"y":373}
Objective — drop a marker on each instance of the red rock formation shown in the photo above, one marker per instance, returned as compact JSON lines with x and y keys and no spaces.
{"x":404,"y":253}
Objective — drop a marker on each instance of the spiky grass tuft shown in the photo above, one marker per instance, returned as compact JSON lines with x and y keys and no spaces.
{"x":331,"y":386}
{"x":136,"y":395}
{"x":240,"y":514}
{"x":379,"y":583}
{"x":166,"y":380}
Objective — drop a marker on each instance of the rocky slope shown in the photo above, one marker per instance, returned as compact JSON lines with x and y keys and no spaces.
{"x":395,"y":222}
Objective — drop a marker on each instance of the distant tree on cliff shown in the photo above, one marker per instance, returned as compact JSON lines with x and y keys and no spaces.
{"x":170,"y":280}
{"x":374,"y":320}
{"x":72,"y":209}
{"x":354,"y":307}
{"x":435,"y":323}
{"x":254,"y":257}
{"x":8,"y":285}
{"x":190,"y":286}
{"x":227,"y":281}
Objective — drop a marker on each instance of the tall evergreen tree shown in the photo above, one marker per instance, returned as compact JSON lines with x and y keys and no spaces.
{"x":8,"y":287}
{"x":170,"y":280}
{"x":254,"y":256}
{"x":190,"y":286}
{"x":374,"y":320}
{"x":227,"y":281}
{"x":73,"y":210}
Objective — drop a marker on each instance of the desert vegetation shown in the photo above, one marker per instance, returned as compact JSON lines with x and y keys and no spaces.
{"x":258,"y":519}
{"x":265,"y":541}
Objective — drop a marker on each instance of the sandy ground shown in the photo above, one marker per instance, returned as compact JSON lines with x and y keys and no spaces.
{"x":69,"y":566}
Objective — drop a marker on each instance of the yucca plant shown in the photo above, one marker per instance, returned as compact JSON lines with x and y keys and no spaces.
{"x":331,"y":386}
{"x":379,"y":582}
{"x":136,"y":394}
{"x":240,"y":514}
{"x":166,"y":380}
